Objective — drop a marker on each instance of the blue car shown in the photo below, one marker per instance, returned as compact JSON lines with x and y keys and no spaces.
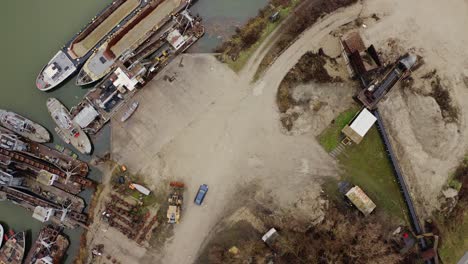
{"x":201,"y":194}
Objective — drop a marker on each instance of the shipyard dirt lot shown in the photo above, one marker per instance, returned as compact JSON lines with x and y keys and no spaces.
{"x":213,"y":126}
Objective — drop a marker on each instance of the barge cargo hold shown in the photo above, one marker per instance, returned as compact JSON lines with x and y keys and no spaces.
{"x":24,"y":127}
{"x":50,"y":246}
{"x":129,"y":37}
{"x":74,"y":54}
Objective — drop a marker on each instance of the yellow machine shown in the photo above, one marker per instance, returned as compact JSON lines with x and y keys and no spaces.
{"x":175,"y":201}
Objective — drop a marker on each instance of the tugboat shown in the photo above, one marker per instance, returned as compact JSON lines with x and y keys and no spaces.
{"x":66,"y":128}
{"x":24,"y":127}
{"x":13,"y":250}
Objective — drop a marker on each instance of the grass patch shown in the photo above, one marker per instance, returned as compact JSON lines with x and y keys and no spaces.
{"x":453,"y":225}
{"x":454,"y":240}
{"x":455,"y":184}
{"x":236,"y":51}
{"x":367,"y":165}
{"x":330,"y":138}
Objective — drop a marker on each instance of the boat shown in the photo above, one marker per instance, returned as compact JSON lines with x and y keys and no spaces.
{"x":24,"y":127}
{"x":59,"y":68}
{"x":64,"y":161}
{"x":1,"y":235}
{"x":140,"y":188}
{"x":68,"y":130}
{"x":129,"y":112}
{"x":12,"y":251}
{"x":128,"y":38}
{"x":50,"y":246}
{"x":74,"y":54}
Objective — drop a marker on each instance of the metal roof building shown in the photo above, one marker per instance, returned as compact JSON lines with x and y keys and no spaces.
{"x":359,"y":126}
{"x":86,"y":116}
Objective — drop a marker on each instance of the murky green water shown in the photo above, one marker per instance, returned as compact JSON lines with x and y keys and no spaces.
{"x":32,"y":32}
{"x":221,"y":17}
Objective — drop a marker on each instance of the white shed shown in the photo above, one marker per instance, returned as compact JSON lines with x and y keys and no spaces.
{"x":359,"y":126}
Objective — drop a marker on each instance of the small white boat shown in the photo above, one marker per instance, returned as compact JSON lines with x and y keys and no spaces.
{"x":140,"y":188}
{"x":129,"y":112}
{"x":1,"y":235}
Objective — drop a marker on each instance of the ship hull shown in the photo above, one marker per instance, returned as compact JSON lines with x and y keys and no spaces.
{"x":24,"y":127}
{"x":101,"y":62}
{"x":70,"y":131}
{"x":70,"y":58}
{"x":57,"y":70}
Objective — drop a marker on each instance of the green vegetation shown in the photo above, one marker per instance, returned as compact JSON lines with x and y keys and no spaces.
{"x":453,"y":226}
{"x":237,"y":50}
{"x":367,"y":166}
{"x":454,"y":240}
{"x":455,"y":184}
{"x":330,"y":138}
{"x":304,"y":17}
{"x":123,"y":189}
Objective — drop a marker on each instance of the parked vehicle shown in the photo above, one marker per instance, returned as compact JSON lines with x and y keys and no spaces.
{"x":201,"y":194}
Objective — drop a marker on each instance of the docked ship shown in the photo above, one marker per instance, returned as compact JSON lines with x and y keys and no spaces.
{"x":24,"y":127}
{"x":50,"y":246}
{"x":71,"y":57}
{"x":69,"y":131}
{"x":152,"y":18}
{"x":66,"y":163}
{"x":132,"y":72}
{"x":13,"y":250}
{"x":10,"y":178}
{"x":43,"y":209}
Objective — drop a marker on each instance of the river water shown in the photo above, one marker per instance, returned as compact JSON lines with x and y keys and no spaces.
{"x":32,"y":32}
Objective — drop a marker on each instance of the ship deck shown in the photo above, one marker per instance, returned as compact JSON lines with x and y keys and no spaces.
{"x":84,"y":46}
{"x":162,"y":11}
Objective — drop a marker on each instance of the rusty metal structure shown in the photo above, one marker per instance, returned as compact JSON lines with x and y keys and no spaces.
{"x":68,"y":218}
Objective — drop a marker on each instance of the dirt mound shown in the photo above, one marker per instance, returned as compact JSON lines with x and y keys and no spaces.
{"x":426,"y":129}
{"x":312,"y":93}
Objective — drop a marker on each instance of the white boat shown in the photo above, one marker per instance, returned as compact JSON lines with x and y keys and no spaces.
{"x":70,"y":132}
{"x":1,"y":235}
{"x":129,"y":112}
{"x":140,"y":188}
